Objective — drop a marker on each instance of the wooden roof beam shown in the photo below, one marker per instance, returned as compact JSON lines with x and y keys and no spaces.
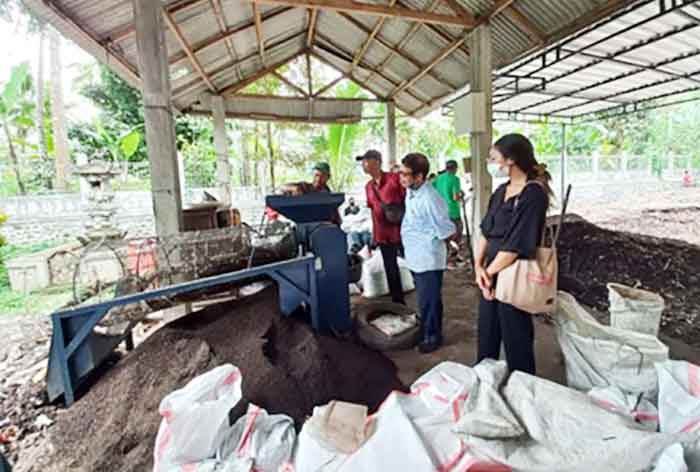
{"x":375,"y":31}
{"x":311,"y":32}
{"x":348,"y":58}
{"x":395,"y":50}
{"x":499,"y":7}
{"x":344,"y":75}
{"x":231,"y":89}
{"x":258,"y":32}
{"x":436,"y":30}
{"x":221,"y":20}
{"x":217,"y":38}
{"x":127,"y":31}
{"x":350,"y":6}
{"x":290,"y":84}
{"x":445,"y":52}
{"x":186,"y":88}
{"x":460,"y":10}
{"x":188,"y":50}
{"x":329,"y":85}
{"x":526,"y":25}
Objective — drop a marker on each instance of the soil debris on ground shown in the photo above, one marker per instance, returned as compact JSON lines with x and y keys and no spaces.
{"x":25,"y":414}
{"x":286,"y":368}
{"x":591,"y":256}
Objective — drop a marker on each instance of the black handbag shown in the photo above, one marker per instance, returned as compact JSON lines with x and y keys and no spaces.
{"x":393,"y":212}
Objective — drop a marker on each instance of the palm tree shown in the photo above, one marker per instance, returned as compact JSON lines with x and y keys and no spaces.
{"x":58,"y":112}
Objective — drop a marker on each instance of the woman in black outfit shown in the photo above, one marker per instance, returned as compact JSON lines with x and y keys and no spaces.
{"x":511,"y":230}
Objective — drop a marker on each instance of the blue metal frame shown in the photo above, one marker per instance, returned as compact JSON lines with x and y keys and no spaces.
{"x":63,"y":350}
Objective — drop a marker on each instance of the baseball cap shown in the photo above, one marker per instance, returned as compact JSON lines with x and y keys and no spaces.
{"x":451,"y":164}
{"x":371,"y":154}
{"x":323,"y":167}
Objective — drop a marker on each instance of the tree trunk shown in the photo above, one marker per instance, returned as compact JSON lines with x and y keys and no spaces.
{"x":256,"y":153}
{"x":245,"y":164}
{"x":60,"y":137}
{"x":40,"y":105}
{"x":13,"y":159}
{"x":271,"y":154}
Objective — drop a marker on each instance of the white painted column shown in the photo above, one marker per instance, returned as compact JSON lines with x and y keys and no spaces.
{"x":481,"y":82}
{"x":158,"y":114}
{"x":221,"y":145}
{"x":390,"y":135}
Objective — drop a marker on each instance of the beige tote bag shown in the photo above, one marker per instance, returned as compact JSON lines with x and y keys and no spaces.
{"x":531,"y":284}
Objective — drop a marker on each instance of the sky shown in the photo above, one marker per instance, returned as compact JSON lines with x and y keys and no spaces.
{"x":17,"y":46}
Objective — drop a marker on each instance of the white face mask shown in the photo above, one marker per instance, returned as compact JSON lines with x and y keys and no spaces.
{"x":495,"y":170}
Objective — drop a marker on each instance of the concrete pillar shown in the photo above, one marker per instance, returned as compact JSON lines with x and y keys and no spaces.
{"x":562,"y":166}
{"x":481,"y":71}
{"x":221,"y":145}
{"x":158,"y":114}
{"x":390,"y":135}
{"x":596,"y":166}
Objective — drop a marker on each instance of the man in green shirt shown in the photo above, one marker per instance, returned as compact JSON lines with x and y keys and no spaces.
{"x":448,"y":186}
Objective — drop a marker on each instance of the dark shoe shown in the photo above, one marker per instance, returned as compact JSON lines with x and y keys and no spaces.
{"x":427,"y":347}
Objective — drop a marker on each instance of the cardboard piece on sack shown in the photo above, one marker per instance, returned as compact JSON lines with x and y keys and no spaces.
{"x":568,"y":432}
{"x":339,"y":426}
{"x":410,"y":431}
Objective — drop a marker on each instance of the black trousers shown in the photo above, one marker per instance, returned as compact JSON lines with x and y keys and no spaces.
{"x":502,"y":322}
{"x":390,"y":253}
{"x":429,"y":294}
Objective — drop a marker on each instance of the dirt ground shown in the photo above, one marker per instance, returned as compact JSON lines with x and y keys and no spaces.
{"x":460,"y":298}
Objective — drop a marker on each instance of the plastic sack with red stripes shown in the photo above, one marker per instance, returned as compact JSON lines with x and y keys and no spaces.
{"x":258,"y":442}
{"x":410,"y":431}
{"x":635,"y":407}
{"x":195,"y":419}
{"x":679,"y":405}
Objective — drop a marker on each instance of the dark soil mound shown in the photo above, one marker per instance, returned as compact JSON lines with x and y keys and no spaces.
{"x":590,"y":257}
{"x":286,"y":369}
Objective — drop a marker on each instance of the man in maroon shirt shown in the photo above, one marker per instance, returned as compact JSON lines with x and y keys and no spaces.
{"x":385,"y":188}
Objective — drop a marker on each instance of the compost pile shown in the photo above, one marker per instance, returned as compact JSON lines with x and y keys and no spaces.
{"x":591,"y":256}
{"x":286,"y":369}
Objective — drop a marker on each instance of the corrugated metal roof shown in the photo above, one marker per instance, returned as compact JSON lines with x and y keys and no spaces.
{"x":622,"y":64}
{"x":230,"y":54}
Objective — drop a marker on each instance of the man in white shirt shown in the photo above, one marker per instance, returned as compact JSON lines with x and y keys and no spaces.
{"x":425,"y":229}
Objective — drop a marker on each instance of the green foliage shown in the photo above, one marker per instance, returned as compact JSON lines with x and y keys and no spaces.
{"x":120,"y":131}
{"x":14,"y":91}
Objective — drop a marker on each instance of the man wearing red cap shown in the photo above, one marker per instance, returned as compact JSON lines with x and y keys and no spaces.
{"x":385,"y":197}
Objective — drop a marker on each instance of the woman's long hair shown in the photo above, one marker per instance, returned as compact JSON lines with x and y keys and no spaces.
{"x":519,"y":149}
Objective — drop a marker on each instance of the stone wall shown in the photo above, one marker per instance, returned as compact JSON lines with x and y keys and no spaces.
{"x":61,"y":216}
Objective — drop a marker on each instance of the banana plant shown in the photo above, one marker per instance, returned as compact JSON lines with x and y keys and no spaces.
{"x":16,"y":114}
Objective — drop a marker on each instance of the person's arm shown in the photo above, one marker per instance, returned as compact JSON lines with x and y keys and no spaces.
{"x":439,"y":218}
{"x":482,"y":279}
{"x":457,"y":191}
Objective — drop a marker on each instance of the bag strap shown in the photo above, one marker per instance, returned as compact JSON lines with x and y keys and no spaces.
{"x":376,"y":193}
